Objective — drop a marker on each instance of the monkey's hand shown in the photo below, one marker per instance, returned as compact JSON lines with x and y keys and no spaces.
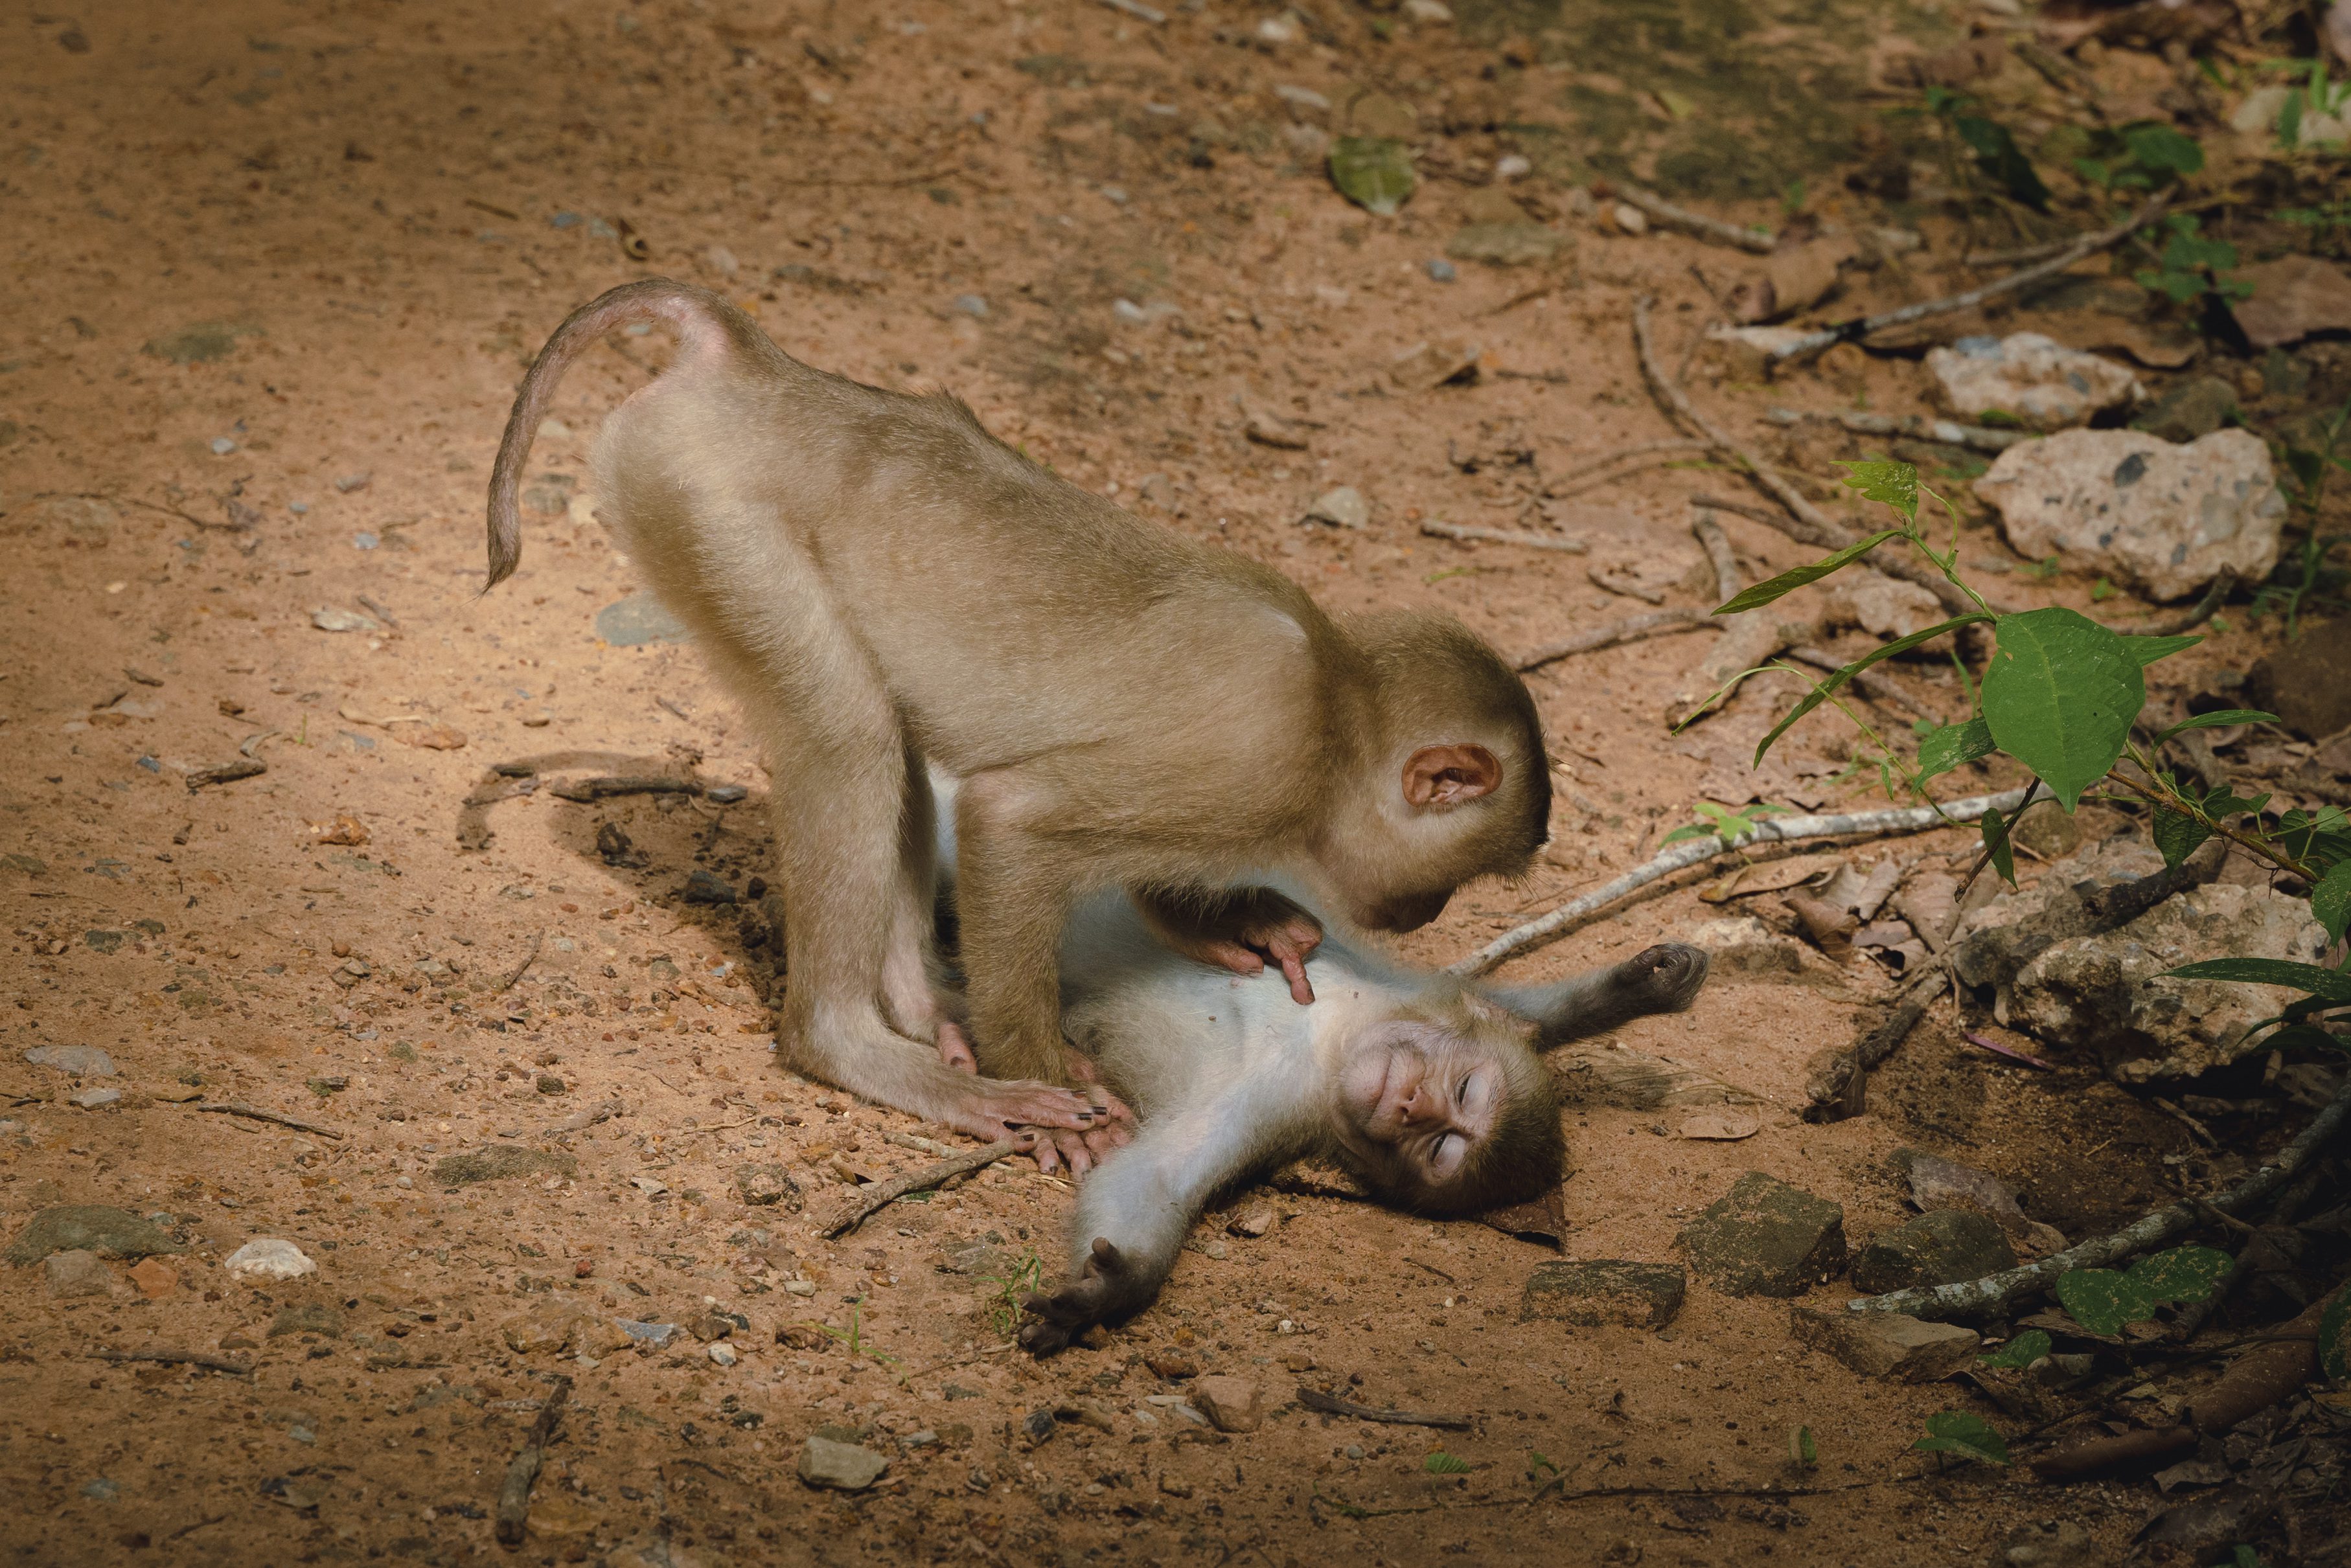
{"x":1239,"y":931}
{"x":1109,"y":1286}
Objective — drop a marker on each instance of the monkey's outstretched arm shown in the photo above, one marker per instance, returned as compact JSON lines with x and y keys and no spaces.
{"x":700,"y":320}
{"x":1134,"y":1215}
{"x":1662,"y":978}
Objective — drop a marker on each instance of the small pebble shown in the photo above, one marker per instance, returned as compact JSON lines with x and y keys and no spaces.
{"x":222,"y":446}
{"x":364,"y":541}
{"x":1442,"y":271}
{"x":352,"y":481}
{"x":1511,"y":166}
{"x":269,"y":1258}
{"x":723,"y":1353}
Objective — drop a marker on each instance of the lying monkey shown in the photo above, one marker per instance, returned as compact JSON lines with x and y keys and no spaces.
{"x":1428,"y":1088}
{"x":880,"y":583}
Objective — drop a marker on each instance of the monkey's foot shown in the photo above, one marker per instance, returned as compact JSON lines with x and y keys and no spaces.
{"x":1663,"y":979}
{"x":1108,"y":1286}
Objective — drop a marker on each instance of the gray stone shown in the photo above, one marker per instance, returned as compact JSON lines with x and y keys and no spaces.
{"x":1765,"y":1237}
{"x":2163,"y":520}
{"x":2107,"y":991}
{"x":108,"y":1233}
{"x":2189,"y":410}
{"x":1506,"y":245}
{"x":1937,"y":1183}
{"x":844,"y":1467}
{"x":1605,"y":1291}
{"x":1885,"y":1344}
{"x":2052,"y":1543}
{"x":762,"y":1185}
{"x":81,"y":1061}
{"x":334,"y":618}
{"x":77,"y":1274}
{"x":2307,"y":683}
{"x":655,"y":1336}
{"x":1942,"y":1248}
{"x":1342,"y":506}
{"x":637,"y":620}
{"x":94,"y":1099}
{"x":498,"y":1162}
{"x":2036,"y":379}
{"x":707,"y":888}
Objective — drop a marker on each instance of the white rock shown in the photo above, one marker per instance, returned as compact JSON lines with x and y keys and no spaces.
{"x":2037,"y":379}
{"x":1343,"y":507}
{"x":81,"y":1061}
{"x":1511,"y":166}
{"x":1887,"y":605}
{"x":1746,"y":352}
{"x":723,"y":1353}
{"x":333,"y":617}
{"x":269,"y":1258}
{"x":1430,"y":12}
{"x":2161,"y":518}
{"x":91,"y":1099}
{"x":1630,"y":218}
{"x":2257,"y":116}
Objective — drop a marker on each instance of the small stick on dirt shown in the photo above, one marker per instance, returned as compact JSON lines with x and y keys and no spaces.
{"x":376,"y":609}
{"x":1870,"y":683}
{"x":1705,"y":228}
{"x":882,"y":1194}
{"x":188,"y":517}
{"x":1813,"y":343}
{"x":1838,"y":1091}
{"x":1615,"y":585}
{"x":2194,"y":615}
{"x":1816,"y":527}
{"x":1632,"y":628}
{"x":1994,"y":1292}
{"x":256,"y":1114}
{"x":1331,"y":1405}
{"x":1678,"y":446}
{"x":227,"y":772}
{"x":1981,"y":437}
{"x":1716,"y":545}
{"x":177,"y":1358}
{"x":1138,"y":10}
{"x":604,"y":788}
{"x":1693,"y":851}
{"x":514,"y":1498}
{"x":1438,"y":530}
{"x":880,"y":184}
{"x":523,"y":967}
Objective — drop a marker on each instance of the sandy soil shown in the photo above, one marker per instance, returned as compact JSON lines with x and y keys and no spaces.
{"x":278,"y":266}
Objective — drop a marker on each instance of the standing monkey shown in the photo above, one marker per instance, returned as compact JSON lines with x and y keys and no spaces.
{"x":880,"y":583}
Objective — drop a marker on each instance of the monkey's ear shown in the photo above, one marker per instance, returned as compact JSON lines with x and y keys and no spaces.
{"x":1450,"y":775}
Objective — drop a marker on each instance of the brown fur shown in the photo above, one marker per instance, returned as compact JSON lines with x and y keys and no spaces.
{"x":879,"y":582}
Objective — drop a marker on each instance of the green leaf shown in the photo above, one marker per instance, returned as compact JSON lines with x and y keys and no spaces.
{"x":1441,"y":1463}
{"x":2335,"y":1339}
{"x":2305,"y":1037}
{"x":1802,"y":1450}
{"x":1996,"y":844}
{"x":1762,"y":594}
{"x":2157,"y":146}
{"x":1970,"y":1437}
{"x":2330,"y":901}
{"x":1895,"y":483}
{"x":1998,"y":156}
{"x":1822,"y":690}
{"x":2181,"y":1274}
{"x":2214,"y":720}
{"x":2177,"y":835}
{"x":2061,"y":695}
{"x":2103,"y":1299}
{"x":1949,"y":746}
{"x":1376,"y":172}
{"x":2022,"y":1351}
{"x":2320,"y":841}
{"x":2333,"y":984}
{"x":2148,"y":650}
{"x":1535,"y":1462}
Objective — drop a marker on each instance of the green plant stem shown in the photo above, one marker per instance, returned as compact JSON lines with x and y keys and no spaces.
{"x":2166,"y":801}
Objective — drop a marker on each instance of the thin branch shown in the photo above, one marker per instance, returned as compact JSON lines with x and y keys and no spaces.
{"x":187,"y":517}
{"x":523,"y":967}
{"x":1677,"y":446}
{"x":2195,"y":614}
{"x":1632,"y":628}
{"x":1435,"y":529}
{"x":1331,"y":1405}
{"x":882,"y":1194}
{"x":1657,"y":454}
{"x":1655,"y":206}
{"x":1694,"y":851}
{"x":1870,"y":683}
{"x":257,"y":1114}
{"x":1981,"y":438}
{"x":177,"y":1358}
{"x":1994,"y":1292}
{"x":514,"y":1498}
{"x":1716,"y":545}
{"x":1813,"y":343}
{"x":1816,"y":528}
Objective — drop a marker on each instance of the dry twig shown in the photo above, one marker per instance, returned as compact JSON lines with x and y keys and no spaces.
{"x":523,"y":967}
{"x":1694,"y":851}
{"x":1464,"y":531}
{"x":1983,"y":438}
{"x":881,"y":1194}
{"x":256,"y":1113}
{"x":2088,"y":245}
{"x":1759,"y":243}
{"x":514,"y":1498}
{"x":1331,"y":1405}
{"x":177,"y":1358}
{"x":1994,"y":1292}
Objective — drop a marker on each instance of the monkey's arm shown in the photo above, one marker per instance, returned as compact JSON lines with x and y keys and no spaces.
{"x":1662,"y":978}
{"x":1134,"y":1212}
{"x":1236,"y":928}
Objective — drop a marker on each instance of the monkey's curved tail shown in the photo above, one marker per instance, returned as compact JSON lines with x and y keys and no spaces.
{"x":696,"y":314}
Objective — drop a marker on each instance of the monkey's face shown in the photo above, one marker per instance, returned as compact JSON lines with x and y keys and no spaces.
{"x":1416,"y":1101}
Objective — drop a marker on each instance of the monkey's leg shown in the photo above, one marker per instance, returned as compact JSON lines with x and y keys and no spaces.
{"x":910,"y":975}
{"x":1013,"y":895}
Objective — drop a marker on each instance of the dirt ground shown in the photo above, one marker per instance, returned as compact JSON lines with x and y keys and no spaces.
{"x":278,"y":265}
